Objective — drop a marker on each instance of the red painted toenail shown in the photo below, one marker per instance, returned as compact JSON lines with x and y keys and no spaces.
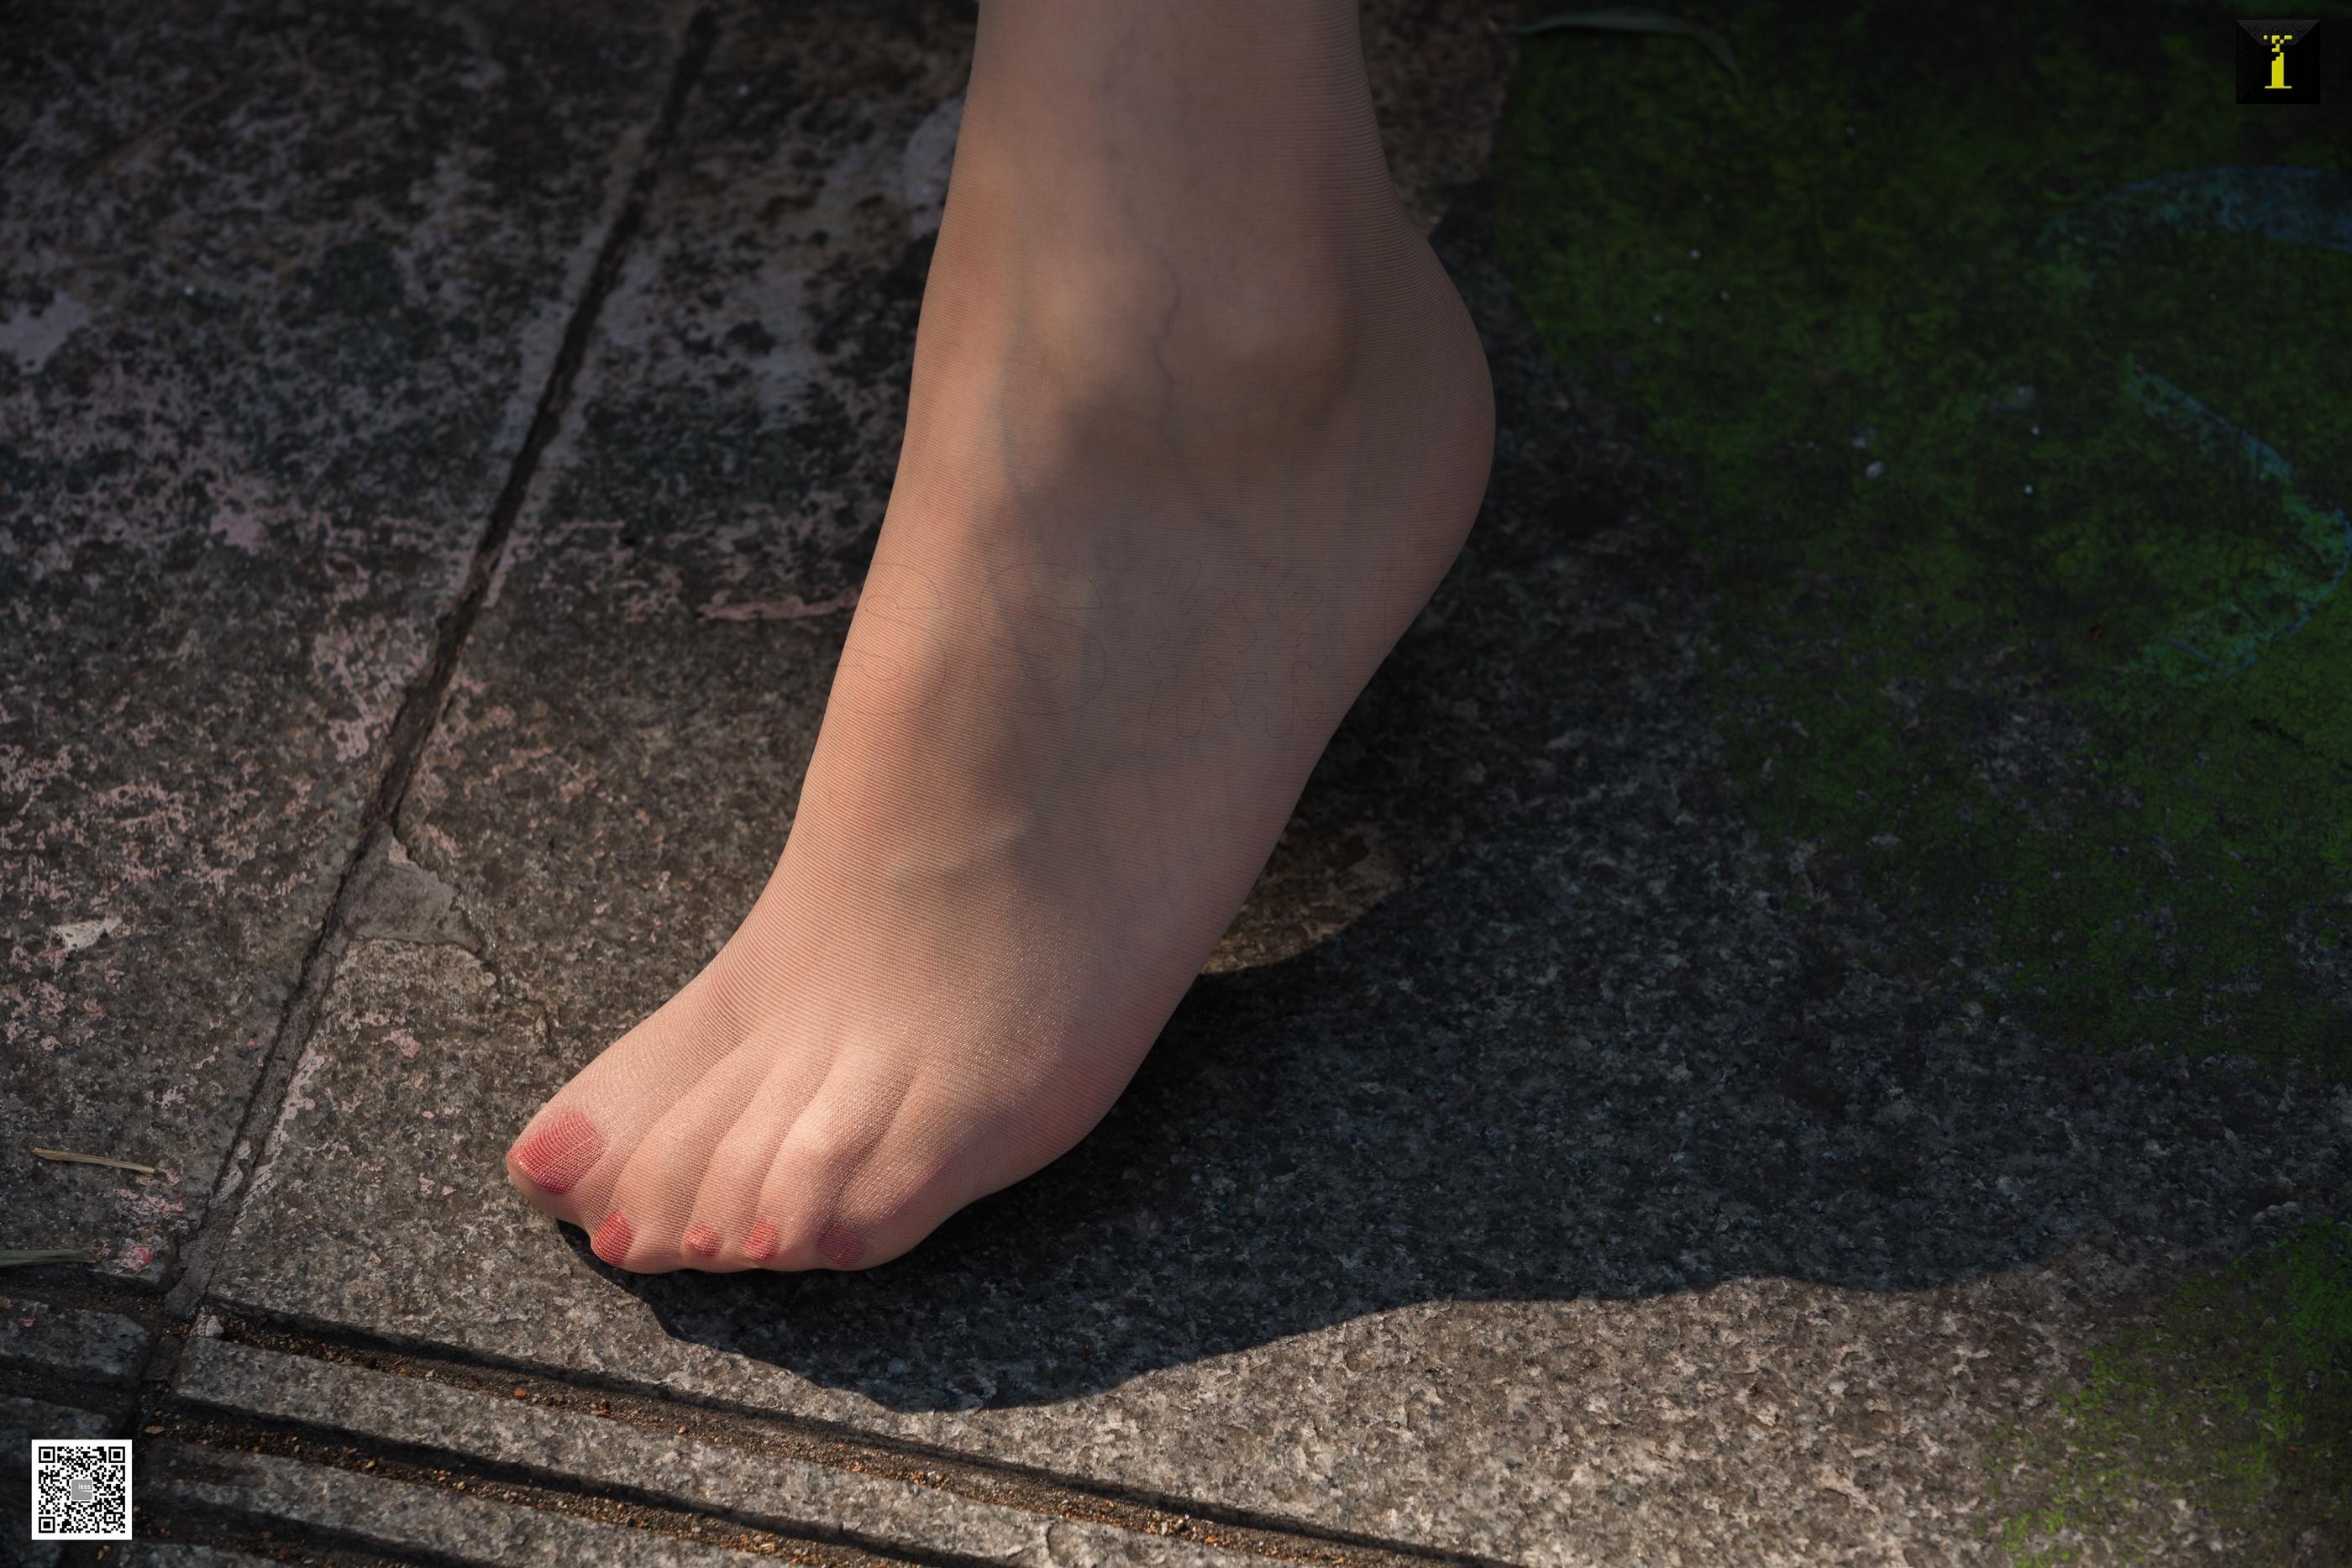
{"x":702,"y":1241}
{"x":761,"y":1245}
{"x":559,"y":1151}
{"x":612,"y":1238}
{"x":840,"y":1246}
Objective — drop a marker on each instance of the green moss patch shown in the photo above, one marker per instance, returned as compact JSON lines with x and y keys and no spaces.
{"x":2225,"y":1421}
{"x":2008,"y":362}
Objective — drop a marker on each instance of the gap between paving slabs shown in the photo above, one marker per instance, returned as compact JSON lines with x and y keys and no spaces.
{"x":82,"y":1338}
{"x":673,"y":1466}
{"x":502,"y":1431}
{"x":419,"y":709}
{"x":403,"y":743}
{"x":254,"y":426}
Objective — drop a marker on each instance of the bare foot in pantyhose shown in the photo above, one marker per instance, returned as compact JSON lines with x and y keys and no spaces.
{"x":1197,"y":424}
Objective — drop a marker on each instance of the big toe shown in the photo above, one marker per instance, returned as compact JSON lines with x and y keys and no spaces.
{"x":567,"y":1159}
{"x":561,"y":1145}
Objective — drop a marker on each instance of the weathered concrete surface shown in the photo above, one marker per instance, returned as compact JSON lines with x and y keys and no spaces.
{"x":173,"y":1554}
{"x":69,"y":1340}
{"x":787,"y":1495}
{"x":277,"y":293}
{"x":22,"y":1422}
{"x":1565,"y":1202}
{"x":400,"y":1517}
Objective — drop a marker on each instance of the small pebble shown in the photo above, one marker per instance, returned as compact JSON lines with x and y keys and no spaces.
{"x":2029,"y":489}
{"x":1875,"y":469}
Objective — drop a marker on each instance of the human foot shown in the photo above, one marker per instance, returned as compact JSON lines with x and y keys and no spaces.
{"x":1159,"y":513}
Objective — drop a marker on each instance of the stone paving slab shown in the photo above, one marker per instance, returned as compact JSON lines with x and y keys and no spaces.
{"x":175,"y":1555}
{"x":1528,"y":1180}
{"x":22,"y":1422}
{"x":278,"y":291}
{"x":69,"y":1340}
{"x":788,"y":1496}
{"x":398,"y":1517}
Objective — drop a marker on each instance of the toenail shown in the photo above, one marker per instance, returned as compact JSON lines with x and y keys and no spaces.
{"x":761,"y":1245}
{"x":612,"y":1238}
{"x":840,"y":1246}
{"x":559,"y":1151}
{"x":702,"y":1241}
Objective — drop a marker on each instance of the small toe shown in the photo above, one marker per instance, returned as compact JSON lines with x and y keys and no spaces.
{"x":823,"y":1148}
{"x":728,"y":1202}
{"x":867,"y":1171}
{"x":657,"y":1188}
{"x":613,"y":1240}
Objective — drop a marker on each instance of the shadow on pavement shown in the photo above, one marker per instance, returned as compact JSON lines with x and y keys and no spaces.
{"x":1581,"y":1052}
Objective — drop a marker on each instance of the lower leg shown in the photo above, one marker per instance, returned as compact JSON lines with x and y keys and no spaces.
{"x":1232,"y":140}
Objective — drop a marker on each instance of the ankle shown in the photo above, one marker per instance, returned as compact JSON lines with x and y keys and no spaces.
{"x":1287,"y":318}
